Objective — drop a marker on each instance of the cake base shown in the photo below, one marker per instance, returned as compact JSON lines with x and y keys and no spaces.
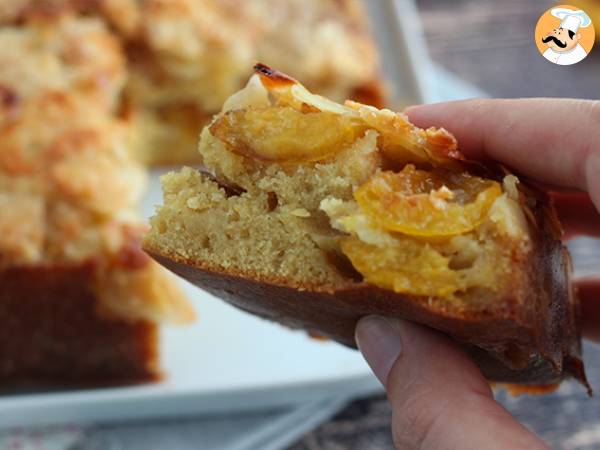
{"x":53,"y":335}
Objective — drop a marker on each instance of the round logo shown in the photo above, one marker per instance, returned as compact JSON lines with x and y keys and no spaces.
{"x":564,"y":35}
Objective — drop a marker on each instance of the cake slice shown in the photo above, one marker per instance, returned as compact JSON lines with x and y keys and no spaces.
{"x":314,"y":214}
{"x":80,"y":303}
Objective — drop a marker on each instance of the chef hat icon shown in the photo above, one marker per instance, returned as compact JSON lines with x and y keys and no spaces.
{"x":571,"y":20}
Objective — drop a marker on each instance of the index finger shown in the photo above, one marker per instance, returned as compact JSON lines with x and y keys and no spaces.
{"x":555,"y":141}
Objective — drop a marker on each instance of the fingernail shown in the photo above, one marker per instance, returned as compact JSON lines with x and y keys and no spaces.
{"x":379,"y":342}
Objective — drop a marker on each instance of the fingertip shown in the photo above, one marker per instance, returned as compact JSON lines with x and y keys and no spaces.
{"x":449,"y":115}
{"x":413,"y":109}
{"x":422,"y":115}
{"x":378,"y":339}
{"x":432,"y":357}
{"x":437,"y":393}
{"x":522,"y":134}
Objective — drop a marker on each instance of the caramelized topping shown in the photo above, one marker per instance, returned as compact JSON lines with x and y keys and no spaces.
{"x":402,"y":142}
{"x":291,"y":125}
{"x":284,"y":135}
{"x":271,"y":77}
{"x":432,"y":203}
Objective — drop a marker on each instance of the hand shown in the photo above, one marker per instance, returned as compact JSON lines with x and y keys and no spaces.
{"x":439,"y":397}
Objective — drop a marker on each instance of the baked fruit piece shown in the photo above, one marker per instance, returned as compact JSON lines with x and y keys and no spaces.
{"x":314,"y":214}
{"x":79,"y":301}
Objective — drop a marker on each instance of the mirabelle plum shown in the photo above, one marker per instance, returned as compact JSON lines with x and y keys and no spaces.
{"x":283,"y":134}
{"x":407,"y":266}
{"x":427,"y":203}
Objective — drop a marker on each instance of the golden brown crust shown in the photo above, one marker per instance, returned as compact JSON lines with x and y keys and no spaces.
{"x":531,"y":337}
{"x":52,"y":333}
{"x":272,"y":78}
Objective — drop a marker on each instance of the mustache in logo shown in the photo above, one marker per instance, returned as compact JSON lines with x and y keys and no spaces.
{"x":556,"y":41}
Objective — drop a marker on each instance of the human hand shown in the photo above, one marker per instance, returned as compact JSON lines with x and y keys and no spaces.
{"x":439,"y":397}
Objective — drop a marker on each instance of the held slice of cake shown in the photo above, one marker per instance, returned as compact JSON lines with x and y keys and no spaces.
{"x":314,"y":214}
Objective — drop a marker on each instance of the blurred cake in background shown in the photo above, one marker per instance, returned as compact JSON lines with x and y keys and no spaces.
{"x":325,"y":43}
{"x":186,"y":57}
{"x":80,"y":302}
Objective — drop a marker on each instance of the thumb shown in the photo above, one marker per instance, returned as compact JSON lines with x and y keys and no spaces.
{"x":439,"y":397}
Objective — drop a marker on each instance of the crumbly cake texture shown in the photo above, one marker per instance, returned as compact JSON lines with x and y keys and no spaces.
{"x":186,"y":57}
{"x":298,"y":211}
{"x":314,"y":214}
{"x":73,"y":273}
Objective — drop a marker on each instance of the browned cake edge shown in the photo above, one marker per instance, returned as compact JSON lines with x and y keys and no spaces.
{"x":52,"y":334}
{"x":533,"y":339}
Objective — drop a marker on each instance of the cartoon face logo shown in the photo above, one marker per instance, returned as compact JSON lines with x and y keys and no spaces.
{"x":561,"y":35}
{"x":561,"y":40}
